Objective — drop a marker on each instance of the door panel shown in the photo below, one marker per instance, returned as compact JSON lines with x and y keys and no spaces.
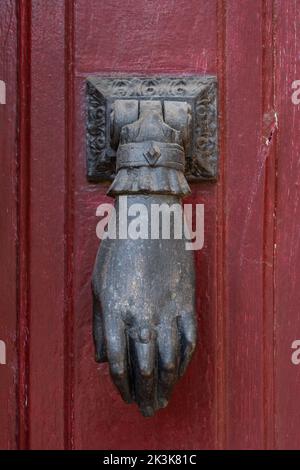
{"x":48,"y":250}
{"x":137,"y":39}
{"x":286,"y":248}
{"x":239,"y":390}
{"x":8,"y":227}
{"x":244,"y":224}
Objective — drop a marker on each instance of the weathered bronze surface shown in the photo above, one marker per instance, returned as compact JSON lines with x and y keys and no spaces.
{"x":143,"y":289}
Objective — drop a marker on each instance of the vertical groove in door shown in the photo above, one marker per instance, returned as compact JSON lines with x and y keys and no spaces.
{"x":221,"y":318}
{"x":24,"y":46}
{"x":69,"y":226}
{"x":269,"y":126}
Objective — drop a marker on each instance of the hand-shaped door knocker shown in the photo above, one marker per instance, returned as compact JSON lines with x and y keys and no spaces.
{"x":143,"y":289}
{"x":150,"y":134}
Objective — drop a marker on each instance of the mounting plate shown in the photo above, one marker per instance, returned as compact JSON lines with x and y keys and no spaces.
{"x":199,"y":91}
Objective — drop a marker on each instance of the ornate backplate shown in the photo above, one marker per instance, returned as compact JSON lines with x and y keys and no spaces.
{"x":199,"y":91}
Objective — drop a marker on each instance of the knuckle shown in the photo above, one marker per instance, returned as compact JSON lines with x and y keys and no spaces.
{"x":169,"y":366}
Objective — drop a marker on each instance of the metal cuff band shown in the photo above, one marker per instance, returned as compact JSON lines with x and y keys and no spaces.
{"x":150,"y":154}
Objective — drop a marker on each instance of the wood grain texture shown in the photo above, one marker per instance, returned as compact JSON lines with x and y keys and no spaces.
{"x":24,"y":124}
{"x":287,"y":248}
{"x":8,"y":226}
{"x":47,"y":226}
{"x":270,"y":133}
{"x":244,"y":225}
{"x":146,"y":36}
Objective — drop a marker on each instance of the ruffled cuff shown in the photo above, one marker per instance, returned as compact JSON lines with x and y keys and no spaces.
{"x":149,"y":180}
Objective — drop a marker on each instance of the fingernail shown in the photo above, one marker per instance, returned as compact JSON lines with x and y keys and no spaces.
{"x":162,"y":402}
{"x":145,"y":335}
{"x":147,"y":411}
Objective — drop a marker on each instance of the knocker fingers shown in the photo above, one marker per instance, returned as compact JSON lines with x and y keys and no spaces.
{"x":98,"y":332}
{"x":168,"y":352}
{"x":142,"y":350}
{"x":187,"y":326}
{"x":117,"y":355}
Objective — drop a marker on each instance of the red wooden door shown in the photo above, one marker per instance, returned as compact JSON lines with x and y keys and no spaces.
{"x":241,"y":388}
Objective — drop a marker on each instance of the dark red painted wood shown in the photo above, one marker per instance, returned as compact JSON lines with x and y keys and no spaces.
{"x":287,"y":249}
{"x":24,"y":55}
{"x":270,"y":131}
{"x":244,"y":206}
{"x":8,"y":226}
{"x":241,"y":389}
{"x":47,"y":226}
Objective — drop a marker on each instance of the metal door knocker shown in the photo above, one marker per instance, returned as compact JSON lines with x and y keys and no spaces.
{"x":149,"y":136}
